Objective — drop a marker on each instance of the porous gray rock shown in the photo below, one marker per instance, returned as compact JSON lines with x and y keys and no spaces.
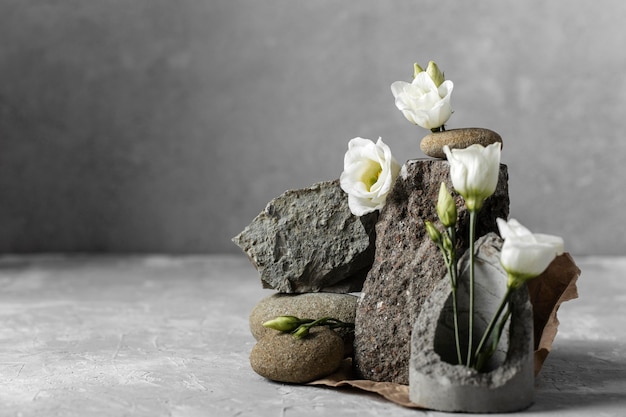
{"x":307,"y":240}
{"x":280,"y":357}
{"x":305,"y":306}
{"x":436,"y":380}
{"x":433,"y":143}
{"x":408,"y":266}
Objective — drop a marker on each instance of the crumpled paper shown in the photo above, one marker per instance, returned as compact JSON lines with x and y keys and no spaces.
{"x":547,"y":292}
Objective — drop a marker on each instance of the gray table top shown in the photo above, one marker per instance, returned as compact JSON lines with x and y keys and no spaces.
{"x":168,"y":336}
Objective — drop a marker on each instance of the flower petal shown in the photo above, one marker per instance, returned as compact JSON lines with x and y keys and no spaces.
{"x":512,"y":228}
{"x":521,"y":257}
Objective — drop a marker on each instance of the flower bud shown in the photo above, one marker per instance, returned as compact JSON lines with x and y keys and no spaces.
{"x":416,"y":69}
{"x":446,"y":207}
{"x":435,"y":74}
{"x":447,"y":243}
{"x":283,"y":323}
{"x":433,"y":232}
{"x":300,"y":332}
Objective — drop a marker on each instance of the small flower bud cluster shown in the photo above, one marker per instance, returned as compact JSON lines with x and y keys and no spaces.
{"x":299,"y":328}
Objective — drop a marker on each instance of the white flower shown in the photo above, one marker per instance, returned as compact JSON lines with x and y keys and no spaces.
{"x":422,"y":102}
{"x":524,"y":254}
{"x":474,"y":172}
{"x":369,"y":172}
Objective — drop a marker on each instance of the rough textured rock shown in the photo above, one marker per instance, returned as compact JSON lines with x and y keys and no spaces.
{"x":280,"y":357}
{"x":307,"y":240}
{"x":436,"y":381}
{"x":305,"y":306}
{"x":432,"y":144}
{"x":408,"y":266}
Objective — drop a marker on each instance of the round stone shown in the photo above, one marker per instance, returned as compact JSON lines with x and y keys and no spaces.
{"x":432,"y":144}
{"x":305,"y":306}
{"x":281,"y":357}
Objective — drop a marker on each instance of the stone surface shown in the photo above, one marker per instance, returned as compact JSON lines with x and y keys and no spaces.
{"x":408,"y":266}
{"x":436,"y":380}
{"x":280,"y":357}
{"x":305,"y":306}
{"x":95,"y":335}
{"x":307,"y":240}
{"x":432,"y":144}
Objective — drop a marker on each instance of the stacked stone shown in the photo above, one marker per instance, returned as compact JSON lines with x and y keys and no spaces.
{"x":407,"y":265}
{"x":313,"y":251}
{"x":432,"y":144}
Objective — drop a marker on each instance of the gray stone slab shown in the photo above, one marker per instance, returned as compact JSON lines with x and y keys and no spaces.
{"x":307,"y":240}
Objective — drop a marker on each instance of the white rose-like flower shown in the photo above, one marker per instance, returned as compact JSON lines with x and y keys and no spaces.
{"x":474,"y":172}
{"x":369,"y":172}
{"x":422,"y":102}
{"x":525,"y":255}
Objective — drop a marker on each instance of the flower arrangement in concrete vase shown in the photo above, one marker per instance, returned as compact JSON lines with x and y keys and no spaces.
{"x":523,"y":256}
{"x":474,"y":173}
{"x":472,"y":342}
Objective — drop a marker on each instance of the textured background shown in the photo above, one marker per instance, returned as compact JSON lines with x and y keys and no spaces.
{"x":158,"y":126}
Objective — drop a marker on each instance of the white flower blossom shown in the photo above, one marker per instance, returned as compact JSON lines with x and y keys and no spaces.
{"x":474,"y":172}
{"x":525,"y":255}
{"x":369,"y":172}
{"x":422,"y":102}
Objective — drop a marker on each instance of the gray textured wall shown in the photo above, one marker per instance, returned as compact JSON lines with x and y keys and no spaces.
{"x":150,"y":125}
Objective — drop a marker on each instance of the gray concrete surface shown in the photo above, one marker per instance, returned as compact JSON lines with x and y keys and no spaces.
{"x":152,"y":126}
{"x":168,"y":336}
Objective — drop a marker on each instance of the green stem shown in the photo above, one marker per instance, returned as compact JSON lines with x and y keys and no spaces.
{"x":453,"y":261}
{"x":328,"y":321}
{"x":457,"y":338}
{"x":452,"y":270}
{"x":482,"y":357}
{"x":498,"y":334}
{"x":449,"y":258}
{"x":493,"y":321}
{"x":470,"y":330}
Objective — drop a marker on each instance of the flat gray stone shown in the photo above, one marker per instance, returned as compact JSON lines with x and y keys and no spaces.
{"x":408,"y":266}
{"x":436,"y":379}
{"x":280,"y":357}
{"x":307,"y":240}
{"x":433,"y":143}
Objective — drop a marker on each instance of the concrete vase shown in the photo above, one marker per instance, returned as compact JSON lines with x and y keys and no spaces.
{"x":507,"y":381}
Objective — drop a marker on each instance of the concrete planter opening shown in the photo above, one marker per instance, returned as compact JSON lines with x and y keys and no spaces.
{"x":506,"y":383}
